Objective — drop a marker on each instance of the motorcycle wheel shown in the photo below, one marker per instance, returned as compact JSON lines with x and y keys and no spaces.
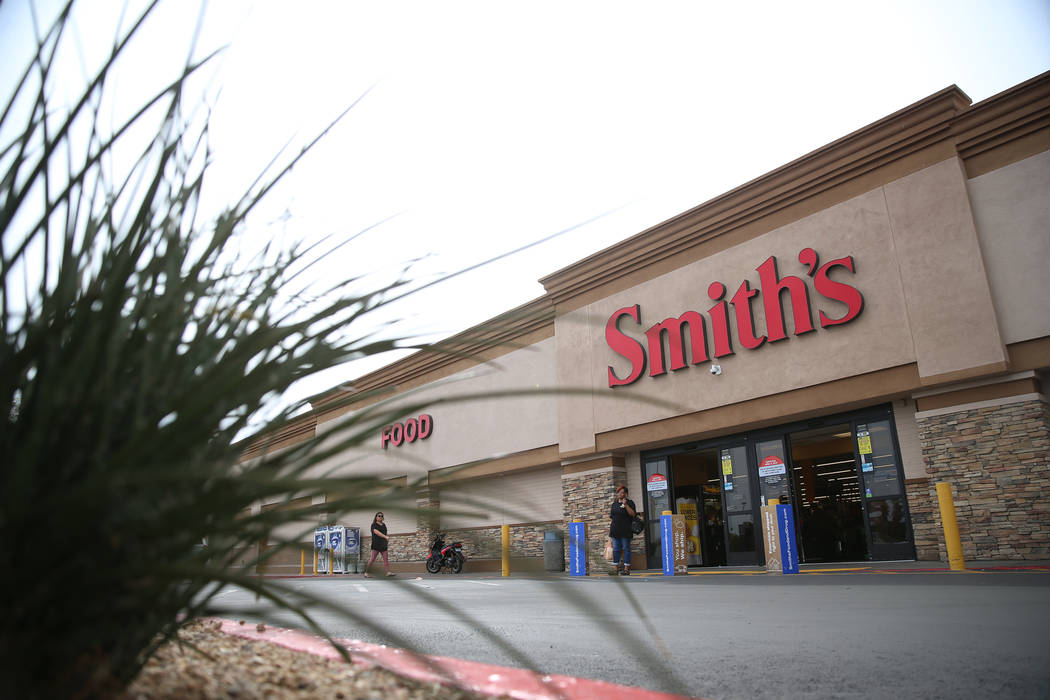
{"x":457,"y":564}
{"x":433,"y":565}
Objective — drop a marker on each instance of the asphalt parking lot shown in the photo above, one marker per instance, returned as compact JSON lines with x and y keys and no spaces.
{"x":888,"y":631}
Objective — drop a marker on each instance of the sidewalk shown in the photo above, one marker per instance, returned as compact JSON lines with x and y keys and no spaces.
{"x":880,"y":567}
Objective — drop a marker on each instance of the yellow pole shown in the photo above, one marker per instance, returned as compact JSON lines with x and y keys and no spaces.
{"x":315,"y":562}
{"x":506,"y":549}
{"x":951,"y":527}
{"x":302,"y":561}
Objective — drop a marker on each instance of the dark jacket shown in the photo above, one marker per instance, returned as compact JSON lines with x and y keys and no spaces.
{"x":379,"y":543}
{"x":621,"y":521}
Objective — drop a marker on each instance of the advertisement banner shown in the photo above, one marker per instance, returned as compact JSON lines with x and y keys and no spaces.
{"x":672,"y":543}
{"x":335,"y":544}
{"x":667,"y":557}
{"x":687,"y":508}
{"x":771,"y":538}
{"x":788,"y":543}
{"x":321,"y":551}
{"x":353,"y":540}
{"x":578,"y":549}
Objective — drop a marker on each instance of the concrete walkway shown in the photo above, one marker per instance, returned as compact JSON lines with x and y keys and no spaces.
{"x":882,"y":567}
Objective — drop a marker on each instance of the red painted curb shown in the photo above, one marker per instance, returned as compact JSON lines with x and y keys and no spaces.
{"x":471,"y":675}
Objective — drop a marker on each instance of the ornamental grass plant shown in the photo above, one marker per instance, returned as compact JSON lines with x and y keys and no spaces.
{"x":142,"y":337}
{"x":139,"y":340}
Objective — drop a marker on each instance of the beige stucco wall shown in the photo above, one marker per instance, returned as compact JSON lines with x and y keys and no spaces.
{"x":927,"y":301}
{"x":503,"y":499}
{"x":908,"y":438}
{"x":472,"y":428}
{"x":950,"y":310}
{"x":1012,"y":209}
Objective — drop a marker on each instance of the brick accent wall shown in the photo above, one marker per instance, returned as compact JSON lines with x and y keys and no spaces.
{"x":925,"y":518}
{"x":416,"y":547}
{"x":526,"y":542}
{"x":587,"y":496}
{"x":997,"y":459}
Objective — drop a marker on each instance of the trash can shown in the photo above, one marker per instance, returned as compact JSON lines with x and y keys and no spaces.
{"x":553,"y":551}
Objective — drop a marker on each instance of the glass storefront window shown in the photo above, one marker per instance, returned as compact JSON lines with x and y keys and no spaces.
{"x":657,"y":500}
{"x":878,"y":465}
{"x":887,"y":521}
{"x":657,"y":491}
{"x":741,"y":533}
{"x":736,"y":482}
{"x":772,"y":471}
{"x":842,"y":474}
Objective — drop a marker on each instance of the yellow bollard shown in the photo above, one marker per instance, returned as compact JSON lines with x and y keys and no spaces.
{"x":315,"y":562}
{"x":951,"y":527}
{"x":302,"y":562}
{"x":506,"y":549}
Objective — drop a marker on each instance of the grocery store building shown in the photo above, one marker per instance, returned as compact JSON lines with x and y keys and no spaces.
{"x":842,"y":334}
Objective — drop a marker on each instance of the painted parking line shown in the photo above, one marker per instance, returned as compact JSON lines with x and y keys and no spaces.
{"x":480,"y":583}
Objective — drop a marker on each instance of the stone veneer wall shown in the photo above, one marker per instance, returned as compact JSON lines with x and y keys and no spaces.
{"x":526,"y":541}
{"x":587,"y":496}
{"x":997,"y":459}
{"x":925,"y":518}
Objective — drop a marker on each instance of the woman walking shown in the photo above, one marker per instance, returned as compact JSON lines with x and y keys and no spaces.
{"x":621,"y":514}
{"x":380,"y":540}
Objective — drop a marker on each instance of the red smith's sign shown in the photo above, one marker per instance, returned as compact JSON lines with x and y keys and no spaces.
{"x":767,"y":296}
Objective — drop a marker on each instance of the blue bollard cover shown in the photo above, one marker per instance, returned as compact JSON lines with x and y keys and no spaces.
{"x":577,"y":549}
{"x":667,"y":544}
{"x":788,"y":544}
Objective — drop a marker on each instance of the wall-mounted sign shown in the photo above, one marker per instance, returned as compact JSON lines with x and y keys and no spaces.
{"x":863,"y":442}
{"x":771,"y":466}
{"x":692,"y":325}
{"x":656,"y":482}
{"x":411,"y":430}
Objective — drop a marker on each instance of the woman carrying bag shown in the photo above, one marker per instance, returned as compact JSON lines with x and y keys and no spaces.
{"x":621,"y":515}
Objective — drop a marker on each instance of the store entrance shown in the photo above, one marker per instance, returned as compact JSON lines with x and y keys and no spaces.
{"x":826,"y":485}
{"x":698,"y":497}
{"x":713,"y":489}
{"x":841,"y":474}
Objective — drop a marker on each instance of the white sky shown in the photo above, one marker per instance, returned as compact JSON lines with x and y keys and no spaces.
{"x":492,"y":124}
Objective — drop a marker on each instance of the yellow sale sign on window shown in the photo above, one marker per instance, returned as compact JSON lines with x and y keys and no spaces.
{"x":692,"y":531}
{"x":864,"y":444}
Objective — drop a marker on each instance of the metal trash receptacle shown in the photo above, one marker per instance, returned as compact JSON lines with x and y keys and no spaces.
{"x":553,"y":551}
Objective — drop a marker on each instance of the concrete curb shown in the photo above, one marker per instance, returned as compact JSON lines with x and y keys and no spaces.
{"x":471,"y":675}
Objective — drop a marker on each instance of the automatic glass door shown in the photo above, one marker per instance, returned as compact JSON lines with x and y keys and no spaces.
{"x":885,"y":507}
{"x":738,"y":502}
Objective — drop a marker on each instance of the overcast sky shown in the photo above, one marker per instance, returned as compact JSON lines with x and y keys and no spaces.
{"x":487,"y":125}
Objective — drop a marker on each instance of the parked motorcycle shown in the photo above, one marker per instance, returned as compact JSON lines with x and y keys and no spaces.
{"x":442,"y":556}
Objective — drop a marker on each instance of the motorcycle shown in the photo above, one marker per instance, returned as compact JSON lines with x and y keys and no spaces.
{"x":442,"y":555}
